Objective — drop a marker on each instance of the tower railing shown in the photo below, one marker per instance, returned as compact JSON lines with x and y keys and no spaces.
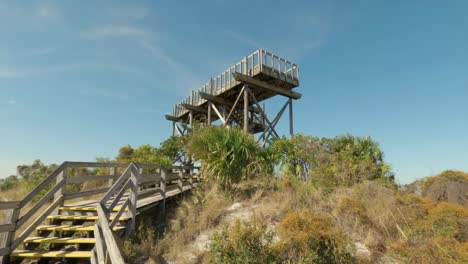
{"x":259,"y":61}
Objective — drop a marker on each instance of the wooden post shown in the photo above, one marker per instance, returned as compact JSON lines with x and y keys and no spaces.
{"x":291,"y":125}
{"x":180,"y":182}
{"x":113,"y":172}
{"x":191,"y":118}
{"x":209,"y":114}
{"x":162,"y":187}
{"x":246,"y":109}
{"x":210,"y":91}
{"x":62,"y":176}
{"x":135,"y":175}
{"x":191,"y":176}
{"x":260,"y":59}
{"x":11,"y":217}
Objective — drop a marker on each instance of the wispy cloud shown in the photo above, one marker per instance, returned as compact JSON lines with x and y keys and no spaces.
{"x":242,"y":38}
{"x":7,"y":72}
{"x":11,"y":102}
{"x":186,"y":78}
{"x":135,"y":13}
{"x":106,"y":93}
{"x":115,"y":31}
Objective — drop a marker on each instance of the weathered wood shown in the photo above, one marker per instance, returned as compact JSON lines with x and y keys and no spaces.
{"x":93,"y":259}
{"x":42,"y":185}
{"x":150,"y":178}
{"x":291,"y":126}
{"x":69,"y":196}
{"x":132,"y":205}
{"x":3,"y":252}
{"x":218,"y":113}
{"x":7,"y":227}
{"x":163,"y":186}
{"x":100,"y":245}
{"x":246,"y":108}
{"x":80,"y":179}
{"x":194,"y":108}
{"x":74,"y":164}
{"x":117,"y":184}
{"x":180,"y":182}
{"x":119,"y":213}
{"x":235,"y":104}
{"x":109,"y":238}
{"x":148,"y":166}
{"x":266,"y":86}
{"x":172,"y":118}
{"x":10,"y":205}
{"x":120,"y":194}
{"x":46,"y":198}
{"x":38,"y":221}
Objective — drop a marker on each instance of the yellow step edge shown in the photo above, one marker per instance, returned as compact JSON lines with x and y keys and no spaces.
{"x":86,"y":208}
{"x":77,"y":228}
{"x":51,"y":254}
{"x":61,"y":240}
{"x":80,"y":217}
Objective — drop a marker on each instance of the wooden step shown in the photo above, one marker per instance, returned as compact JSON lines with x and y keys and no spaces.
{"x":60,"y":240}
{"x":51,"y":254}
{"x":86,"y":208}
{"x":76,"y":228}
{"x":79,"y":217}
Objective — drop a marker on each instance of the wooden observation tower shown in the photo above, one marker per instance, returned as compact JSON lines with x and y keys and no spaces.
{"x":233,"y":98}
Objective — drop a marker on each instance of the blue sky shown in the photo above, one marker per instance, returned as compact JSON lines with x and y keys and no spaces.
{"x":79,"y":79}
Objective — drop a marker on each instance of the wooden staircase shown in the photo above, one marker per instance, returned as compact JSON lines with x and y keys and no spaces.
{"x":87,"y":231}
{"x":70,"y":234}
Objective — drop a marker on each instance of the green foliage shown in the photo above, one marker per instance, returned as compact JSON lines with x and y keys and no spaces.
{"x":9,"y":182}
{"x":344,"y":160}
{"x":245,"y":242}
{"x":165,"y":155}
{"x":228,"y":155}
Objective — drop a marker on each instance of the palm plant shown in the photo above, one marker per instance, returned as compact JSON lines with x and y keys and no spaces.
{"x":228,"y":155}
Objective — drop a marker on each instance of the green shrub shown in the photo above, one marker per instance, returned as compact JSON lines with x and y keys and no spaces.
{"x":245,"y":242}
{"x":228,"y":155}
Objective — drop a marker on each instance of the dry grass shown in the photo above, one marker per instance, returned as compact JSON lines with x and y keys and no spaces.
{"x":373,"y":223}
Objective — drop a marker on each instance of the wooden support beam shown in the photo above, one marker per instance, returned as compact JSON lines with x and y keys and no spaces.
{"x":194,"y":108}
{"x":266,"y":86}
{"x":215,"y":99}
{"x":291,"y":124}
{"x":209,"y":114}
{"x":172,"y":118}
{"x":246,"y":108}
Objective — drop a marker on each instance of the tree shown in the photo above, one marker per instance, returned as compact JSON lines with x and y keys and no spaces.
{"x":344,"y":160}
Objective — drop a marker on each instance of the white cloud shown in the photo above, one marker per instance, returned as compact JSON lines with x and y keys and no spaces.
{"x":11,"y":102}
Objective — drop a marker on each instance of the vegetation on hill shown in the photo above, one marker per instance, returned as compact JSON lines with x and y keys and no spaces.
{"x":299,"y":200}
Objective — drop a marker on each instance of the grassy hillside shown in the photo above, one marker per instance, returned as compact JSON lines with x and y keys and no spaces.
{"x":286,"y":221}
{"x":334,"y":201}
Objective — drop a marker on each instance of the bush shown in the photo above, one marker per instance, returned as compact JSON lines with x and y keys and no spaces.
{"x":228,"y":155}
{"x":245,"y":242}
{"x":309,"y":237}
{"x":342,"y":161}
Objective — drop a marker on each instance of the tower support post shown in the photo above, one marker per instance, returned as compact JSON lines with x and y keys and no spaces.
{"x":291,"y":124}
{"x":246,"y":109}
